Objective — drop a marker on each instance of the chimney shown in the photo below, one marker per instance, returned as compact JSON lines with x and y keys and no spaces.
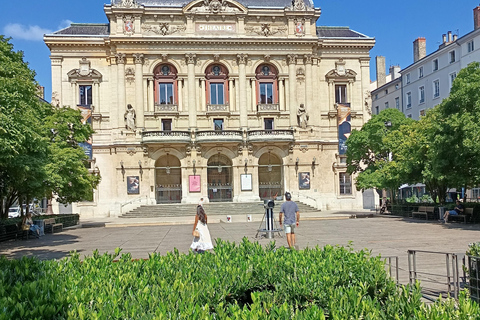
{"x":455,"y":37}
{"x":381,"y":73}
{"x":476,"y":18}
{"x":449,"y":36}
{"x":444,"y":38}
{"x":419,"y":49}
{"x":394,"y":72}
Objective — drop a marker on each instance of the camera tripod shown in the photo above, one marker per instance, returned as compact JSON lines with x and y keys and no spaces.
{"x":269,"y":225}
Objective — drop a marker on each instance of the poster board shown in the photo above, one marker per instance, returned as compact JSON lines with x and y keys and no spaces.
{"x":246,"y":182}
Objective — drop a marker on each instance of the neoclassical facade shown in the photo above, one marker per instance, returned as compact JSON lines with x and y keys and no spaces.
{"x":221,"y":99}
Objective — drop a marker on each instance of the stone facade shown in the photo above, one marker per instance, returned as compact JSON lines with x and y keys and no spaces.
{"x":213,"y":90}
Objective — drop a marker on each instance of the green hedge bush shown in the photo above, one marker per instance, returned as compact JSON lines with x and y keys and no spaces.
{"x":244,"y":281}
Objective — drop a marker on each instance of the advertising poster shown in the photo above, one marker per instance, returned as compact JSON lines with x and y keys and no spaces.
{"x":86,"y":112}
{"x":344,"y":126}
{"x":133,"y":185}
{"x":194,"y":183}
{"x":304,"y":180}
{"x":246,"y":181}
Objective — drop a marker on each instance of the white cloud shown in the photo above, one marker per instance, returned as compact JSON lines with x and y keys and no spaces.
{"x":19,"y":31}
{"x":64,"y":24}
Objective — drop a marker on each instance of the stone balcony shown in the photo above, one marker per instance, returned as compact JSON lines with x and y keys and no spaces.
{"x":219,"y":136}
{"x":218,"y":109}
{"x":166,"y":137}
{"x":268,"y":108}
{"x":166,"y":108}
{"x":270,"y":136}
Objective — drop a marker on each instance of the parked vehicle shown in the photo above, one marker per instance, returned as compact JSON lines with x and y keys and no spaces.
{"x":14,"y":212}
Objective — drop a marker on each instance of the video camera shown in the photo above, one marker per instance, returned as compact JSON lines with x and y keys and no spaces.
{"x":268,"y":204}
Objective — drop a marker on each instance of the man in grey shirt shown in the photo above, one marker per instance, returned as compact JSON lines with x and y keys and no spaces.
{"x":292,"y":218}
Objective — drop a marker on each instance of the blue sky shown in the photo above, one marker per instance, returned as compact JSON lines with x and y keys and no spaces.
{"x":394,"y":25}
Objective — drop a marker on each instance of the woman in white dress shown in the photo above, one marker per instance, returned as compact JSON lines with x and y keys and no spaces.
{"x":201,"y":235}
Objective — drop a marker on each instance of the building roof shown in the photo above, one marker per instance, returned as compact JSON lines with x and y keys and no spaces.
{"x":86,"y":29}
{"x":339,"y":32}
{"x":246,"y":3}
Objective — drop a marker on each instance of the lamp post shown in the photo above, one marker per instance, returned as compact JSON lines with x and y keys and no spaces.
{"x":388,"y":125}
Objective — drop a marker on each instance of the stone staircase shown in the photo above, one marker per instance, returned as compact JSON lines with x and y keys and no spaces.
{"x":212,"y":209}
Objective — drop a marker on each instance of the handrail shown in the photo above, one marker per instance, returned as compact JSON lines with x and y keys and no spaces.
{"x":134,"y":200}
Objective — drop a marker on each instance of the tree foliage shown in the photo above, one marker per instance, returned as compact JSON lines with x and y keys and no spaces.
{"x":441,"y":150}
{"x":33,"y":163}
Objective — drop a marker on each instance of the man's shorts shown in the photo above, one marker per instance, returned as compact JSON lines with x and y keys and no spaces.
{"x":290,"y":228}
{"x":453,"y":212}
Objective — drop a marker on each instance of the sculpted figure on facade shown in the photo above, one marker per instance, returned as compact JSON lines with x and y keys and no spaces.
{"x":130,"y":118}
{"x":302,"y":116}
{"x":55,"y":99}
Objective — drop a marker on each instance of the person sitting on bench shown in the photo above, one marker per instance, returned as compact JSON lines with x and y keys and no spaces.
{"x":456,"y":211}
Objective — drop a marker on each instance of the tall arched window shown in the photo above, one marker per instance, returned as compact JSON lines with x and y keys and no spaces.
{"x":267,"y":84}
{"x":165,"y":84}
{"x":217,"y":85}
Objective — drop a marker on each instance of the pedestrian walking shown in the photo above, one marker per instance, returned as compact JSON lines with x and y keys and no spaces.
{"x":201,"y":235}
{"x":292,"y":218}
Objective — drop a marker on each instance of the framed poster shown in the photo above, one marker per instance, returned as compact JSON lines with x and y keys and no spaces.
{"x":304,"y":180}
{"x":133,"y":185}
{"x":246,"y":181}
{"x":194,"y":183}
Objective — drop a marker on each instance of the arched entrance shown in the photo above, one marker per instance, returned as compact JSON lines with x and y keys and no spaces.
{"x":219,"y":174}
{"x":270,"y":176}
{"x":168,"y":179}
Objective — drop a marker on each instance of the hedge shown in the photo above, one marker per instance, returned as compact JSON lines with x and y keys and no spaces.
{"x":244,"y":281}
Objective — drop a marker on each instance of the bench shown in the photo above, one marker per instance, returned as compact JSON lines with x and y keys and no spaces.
{"x":466,"y":216}
{"x":423,"y":211}
{"x":51,"y":226}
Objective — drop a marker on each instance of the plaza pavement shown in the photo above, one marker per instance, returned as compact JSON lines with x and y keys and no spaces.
{"x":382,"y":235}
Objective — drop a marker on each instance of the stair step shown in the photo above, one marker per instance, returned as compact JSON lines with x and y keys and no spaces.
{"x":215,"y":208}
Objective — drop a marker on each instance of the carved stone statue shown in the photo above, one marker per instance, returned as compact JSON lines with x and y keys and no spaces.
{"x":55,"y":99}
{"x":130,"y":118}
{"x":302,"y":117}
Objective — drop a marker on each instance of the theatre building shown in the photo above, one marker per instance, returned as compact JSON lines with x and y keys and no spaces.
{"x":232,"y":101}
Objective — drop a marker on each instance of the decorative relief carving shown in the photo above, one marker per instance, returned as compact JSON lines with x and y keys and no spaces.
{"x":299,"y":27}
{"x":84,"y":72}
{"x":216,"y":57}
{"x":242,"y":58}
{"x":299,"y":5}
{"x":164,"y":28}
{"x":127,"y":4}
{"x":138,"y":58}
{"x":308,"y":58}
{"x":367,"y":100}
{"x":190,"y":58}
{"x":130,"y":74}
{"x":120,"y":58}
{"x":214,"y":6}
{"x":292,"y":58}
{"x":128,"y":25}
{"x":266,"y":58}
{"x":265,"y":29}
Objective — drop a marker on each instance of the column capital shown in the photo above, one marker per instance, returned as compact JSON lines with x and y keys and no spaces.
{"x":292,"y":58}
{"x":120,"y":58}
{"x":138,"y":58}
{"x":242,"y":58}
{"x":190,"y":58}
{"x":308,"y":58}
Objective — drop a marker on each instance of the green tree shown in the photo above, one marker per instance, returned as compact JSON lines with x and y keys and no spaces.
{"x":370,"y":152}
{"x":39,"y":151}
{"x":456,"y":139}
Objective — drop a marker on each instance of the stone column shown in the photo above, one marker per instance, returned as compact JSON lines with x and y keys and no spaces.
{"x":181,"y":106}
{"x":292,"y":60}
{"x":231,"y":95}
{"x":120,"y":89}
{"x":308,"y":82}
{"x":57,"y":78}
{"x":242,"y":60}
{"x":74,"y":93}
{"x":96,"y":96}
{"x":253,"y":94}
{"x":281,"y":94}
{"x":151,"y":97}
{"x":139,"y":108}
{"x":203,"y":95}
{"x":192,"y":106}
